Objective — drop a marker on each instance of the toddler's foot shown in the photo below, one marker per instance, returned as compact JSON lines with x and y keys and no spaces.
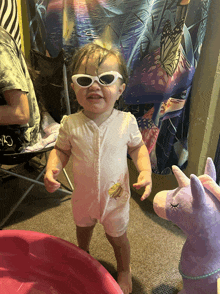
{"x":125,"y":282}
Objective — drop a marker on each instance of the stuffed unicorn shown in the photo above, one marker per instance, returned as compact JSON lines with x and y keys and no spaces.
{"x":195,"y":208}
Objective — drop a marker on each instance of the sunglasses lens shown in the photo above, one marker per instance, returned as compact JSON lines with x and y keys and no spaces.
{"x":106,"y":79}
{"x":84,"y":81}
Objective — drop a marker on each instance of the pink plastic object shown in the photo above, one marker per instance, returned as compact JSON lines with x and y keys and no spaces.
{"x":36,"y":263}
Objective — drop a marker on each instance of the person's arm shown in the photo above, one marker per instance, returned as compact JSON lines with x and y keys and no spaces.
{"x":56,"y":162}
{"x":141,"y":159}
{"x":16,"y":111}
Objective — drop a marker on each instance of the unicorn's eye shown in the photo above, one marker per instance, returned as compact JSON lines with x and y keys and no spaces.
{"x":174,"y":205}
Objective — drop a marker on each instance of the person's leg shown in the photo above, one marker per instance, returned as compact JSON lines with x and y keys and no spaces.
{"x":121,"y":248}
{"x":84,"y":235}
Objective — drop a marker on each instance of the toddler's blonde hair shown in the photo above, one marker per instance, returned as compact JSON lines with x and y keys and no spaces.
{"x":92,"y":48}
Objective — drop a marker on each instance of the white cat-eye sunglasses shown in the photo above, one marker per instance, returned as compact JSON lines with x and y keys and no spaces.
{"x":104,"y":79}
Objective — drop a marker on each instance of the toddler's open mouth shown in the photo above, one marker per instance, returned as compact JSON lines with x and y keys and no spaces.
{"x":94,"y":97}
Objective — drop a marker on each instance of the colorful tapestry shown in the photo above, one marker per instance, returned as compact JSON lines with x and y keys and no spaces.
{"x":161,"y":42}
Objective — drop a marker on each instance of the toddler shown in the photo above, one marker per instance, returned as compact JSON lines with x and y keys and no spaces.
{"x":99,"y":137}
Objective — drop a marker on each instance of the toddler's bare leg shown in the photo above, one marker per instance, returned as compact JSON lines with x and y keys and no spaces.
{"x":121,"y":248}
{"x":84,"y":235}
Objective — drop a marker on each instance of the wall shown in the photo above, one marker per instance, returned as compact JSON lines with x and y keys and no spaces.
{"x":205,"y":107}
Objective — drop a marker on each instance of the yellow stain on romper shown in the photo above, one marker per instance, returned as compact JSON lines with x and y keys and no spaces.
{"x":115,"y":191}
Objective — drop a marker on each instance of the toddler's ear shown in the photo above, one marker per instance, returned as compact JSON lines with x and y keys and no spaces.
{"x":122,"y":88}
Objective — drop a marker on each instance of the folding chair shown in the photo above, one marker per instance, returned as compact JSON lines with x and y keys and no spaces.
{"x":19,"y":158}
{"x":56,"y":82}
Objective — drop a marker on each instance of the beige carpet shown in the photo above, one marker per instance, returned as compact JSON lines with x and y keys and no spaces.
{"x":156,"y":244}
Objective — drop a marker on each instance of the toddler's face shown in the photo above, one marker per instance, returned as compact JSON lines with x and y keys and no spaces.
{"x":98,"y":99}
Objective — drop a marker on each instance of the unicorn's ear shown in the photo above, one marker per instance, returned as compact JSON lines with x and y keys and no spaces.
{"x":198,"y":192}
{"x":210,"y":168}
{"x":181,"y":178}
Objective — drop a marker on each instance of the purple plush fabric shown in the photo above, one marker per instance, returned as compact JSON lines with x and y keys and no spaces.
{"x":195,"y":207}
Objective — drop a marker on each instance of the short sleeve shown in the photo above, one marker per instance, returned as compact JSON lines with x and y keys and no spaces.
{"x":63,"y":139}
{"x":135,"y":136}
{"x":11,"y":72}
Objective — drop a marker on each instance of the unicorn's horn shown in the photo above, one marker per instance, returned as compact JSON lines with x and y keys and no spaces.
{"x":181,"y":178}
{"x":210,"y":168}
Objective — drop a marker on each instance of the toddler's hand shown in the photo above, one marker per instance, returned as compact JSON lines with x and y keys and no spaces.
{"x":144,"y":180}
{"x":50,"y":182}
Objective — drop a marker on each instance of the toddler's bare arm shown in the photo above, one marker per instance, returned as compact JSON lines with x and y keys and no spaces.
{"x":141,"y":159}
{"x":56,"y":162}
{"x":58,"y":158}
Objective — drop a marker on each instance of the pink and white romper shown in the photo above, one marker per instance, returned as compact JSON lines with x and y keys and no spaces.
{"x":100,"y":170}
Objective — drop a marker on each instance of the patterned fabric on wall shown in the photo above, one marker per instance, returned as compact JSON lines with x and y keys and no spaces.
{"x":9,"y":19}
{"x":161,"y":41}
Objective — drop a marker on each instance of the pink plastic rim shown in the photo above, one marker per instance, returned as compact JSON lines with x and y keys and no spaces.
{"x":32,"y":262}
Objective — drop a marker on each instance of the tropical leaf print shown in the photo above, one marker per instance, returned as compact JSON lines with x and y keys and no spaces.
{"x":169,"y":46}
